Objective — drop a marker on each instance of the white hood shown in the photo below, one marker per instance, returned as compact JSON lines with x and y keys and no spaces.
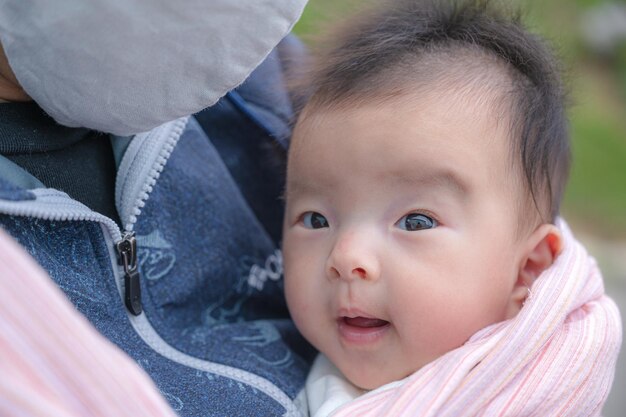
{"x":126,"y":66}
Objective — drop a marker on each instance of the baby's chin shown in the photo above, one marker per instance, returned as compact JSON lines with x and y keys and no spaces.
{"x":372,"y":377}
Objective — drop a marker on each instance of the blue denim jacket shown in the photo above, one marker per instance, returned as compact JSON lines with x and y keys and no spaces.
{"x":199,"y":200}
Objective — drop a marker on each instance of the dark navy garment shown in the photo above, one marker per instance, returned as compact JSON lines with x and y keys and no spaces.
{"x":214,"y":332}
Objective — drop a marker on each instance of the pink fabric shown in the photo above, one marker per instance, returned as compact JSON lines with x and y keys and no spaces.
{"x":52,"y":361}
{"x":556,"y":358}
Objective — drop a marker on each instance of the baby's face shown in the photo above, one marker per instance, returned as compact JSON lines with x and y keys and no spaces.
{"x":399,"y":236}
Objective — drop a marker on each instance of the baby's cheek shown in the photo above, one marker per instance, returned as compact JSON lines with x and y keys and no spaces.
{"x":456,"y":329}
{"x":301,"y":304}
{"x":435,"y":324}
{"x":462,"y":319}
{"x":295,"y":301}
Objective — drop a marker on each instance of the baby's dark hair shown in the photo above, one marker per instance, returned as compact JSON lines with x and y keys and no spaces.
{"x":416,"y":41}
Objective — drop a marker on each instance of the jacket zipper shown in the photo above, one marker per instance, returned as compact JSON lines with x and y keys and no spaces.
{"x":159,"y":152}
{"x":127,"y":252}
{"x":54,"y":205}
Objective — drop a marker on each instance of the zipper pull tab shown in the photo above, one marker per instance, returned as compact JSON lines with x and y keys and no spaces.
{"x":127,"y":250}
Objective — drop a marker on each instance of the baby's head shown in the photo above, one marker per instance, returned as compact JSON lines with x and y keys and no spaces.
{"x":424,"y":179}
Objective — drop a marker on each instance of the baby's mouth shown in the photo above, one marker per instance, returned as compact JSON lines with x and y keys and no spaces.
{"x":364,"y":322}
{"x":362,"y":330}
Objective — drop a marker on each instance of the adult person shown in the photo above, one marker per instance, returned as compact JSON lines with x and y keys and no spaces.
{"x":166,"y":240}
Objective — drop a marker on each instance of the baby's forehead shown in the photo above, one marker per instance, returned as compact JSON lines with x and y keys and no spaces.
{"x":445,"y":99}
{"x":432,"y":117}
{"x":429,"y":118}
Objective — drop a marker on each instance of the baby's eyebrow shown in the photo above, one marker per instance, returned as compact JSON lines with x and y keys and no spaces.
{"x":297,"y":187}
{"x":425,"y":178}
{"x":441,"y":178}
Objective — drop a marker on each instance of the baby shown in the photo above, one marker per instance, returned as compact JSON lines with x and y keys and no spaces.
{"x":423,"y":185}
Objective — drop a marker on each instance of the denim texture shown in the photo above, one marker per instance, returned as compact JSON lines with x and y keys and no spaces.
{"x":211,"y":271}
{"x":233,"y":320}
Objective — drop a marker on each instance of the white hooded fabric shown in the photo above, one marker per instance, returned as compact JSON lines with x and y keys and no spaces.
{"x":126,"y":66}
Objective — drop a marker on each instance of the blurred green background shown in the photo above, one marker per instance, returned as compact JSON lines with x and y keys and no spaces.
{"x":587,"y":35}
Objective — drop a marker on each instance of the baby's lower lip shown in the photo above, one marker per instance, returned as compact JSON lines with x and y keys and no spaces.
{"x":362,"y":330}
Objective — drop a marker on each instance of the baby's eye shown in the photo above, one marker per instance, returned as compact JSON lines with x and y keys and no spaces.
{"x":415,"y":221}
{"x":314,"y":220}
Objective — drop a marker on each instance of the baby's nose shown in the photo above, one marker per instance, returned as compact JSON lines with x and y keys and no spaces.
{"x":352,"y":258}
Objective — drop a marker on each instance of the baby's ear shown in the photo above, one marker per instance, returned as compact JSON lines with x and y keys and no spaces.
{"x":538,"y":254}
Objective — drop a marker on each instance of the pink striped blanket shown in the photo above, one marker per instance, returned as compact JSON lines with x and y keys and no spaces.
{"x":556,"y":358}
{"x":53,"y":363}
